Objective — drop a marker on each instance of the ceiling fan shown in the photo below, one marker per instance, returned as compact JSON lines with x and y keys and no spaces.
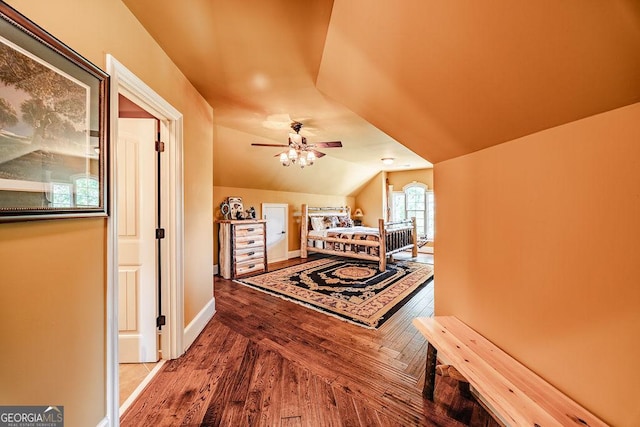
{"x":298,"y":150}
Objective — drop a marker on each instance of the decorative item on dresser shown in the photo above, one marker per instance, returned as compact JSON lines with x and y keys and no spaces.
{"x":235,"y":207}
{"x":242,"y":247}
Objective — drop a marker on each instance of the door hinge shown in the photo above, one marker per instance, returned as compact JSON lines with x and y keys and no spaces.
{"x":159,"y":233}
{"x":160,"y":146}
{"x":161,"y":321}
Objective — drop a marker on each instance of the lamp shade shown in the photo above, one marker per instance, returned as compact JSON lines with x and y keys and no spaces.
{"x":358,"y":213}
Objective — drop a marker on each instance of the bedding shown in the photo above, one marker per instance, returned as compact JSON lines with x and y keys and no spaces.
{"x":331,"y":231}
{"x":349,"y":233}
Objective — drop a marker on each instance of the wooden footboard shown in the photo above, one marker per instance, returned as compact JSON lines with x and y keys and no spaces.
{"x":393,"y":237}
{"x":401,"y":236}
{"x":397,"y":237}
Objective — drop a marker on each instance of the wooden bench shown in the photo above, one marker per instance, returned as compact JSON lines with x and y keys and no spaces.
{"x":515,"y":395}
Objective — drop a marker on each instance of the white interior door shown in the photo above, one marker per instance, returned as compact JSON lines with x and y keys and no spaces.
{"x":137,"y":291}
{"x":276,"y":215}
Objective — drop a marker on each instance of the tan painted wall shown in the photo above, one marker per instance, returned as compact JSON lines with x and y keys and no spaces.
{"x":52,"y":278}
{"x":254,"y":197}
{"x":198,"y":203}
{"x":52,"y":318}
{"x":538,"y":250}
{"x":370,"y":199}
{"x":401,"y":178}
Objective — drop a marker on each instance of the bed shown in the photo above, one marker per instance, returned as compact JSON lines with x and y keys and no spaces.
{"x":330,"y":230}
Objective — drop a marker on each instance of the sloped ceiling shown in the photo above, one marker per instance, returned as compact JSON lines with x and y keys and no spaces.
{"x":418,"y":80}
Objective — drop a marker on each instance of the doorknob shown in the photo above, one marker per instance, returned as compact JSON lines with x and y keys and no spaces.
{"x":283,"y":232}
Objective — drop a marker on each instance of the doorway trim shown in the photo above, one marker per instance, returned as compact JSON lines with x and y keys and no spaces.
{"x":126,"y":83}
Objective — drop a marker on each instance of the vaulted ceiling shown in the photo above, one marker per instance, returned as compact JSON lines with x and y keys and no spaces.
{"x":417,"y":80}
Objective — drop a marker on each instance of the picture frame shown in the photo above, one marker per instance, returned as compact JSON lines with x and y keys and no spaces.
{"x":54,"y":107}
{"x":236,"y":208}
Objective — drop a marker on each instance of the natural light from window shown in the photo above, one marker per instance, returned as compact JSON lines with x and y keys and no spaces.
{"x":61,"y":195}
{"x":87,"y":191}
{"x":83,"y":192}
{"x":415,"y":200}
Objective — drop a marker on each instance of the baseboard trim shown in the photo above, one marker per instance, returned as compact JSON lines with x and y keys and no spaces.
{"x":134,"y":395}
{"x":103,"y":422}
{"x":293,"y":254}
{"x":195,"y":327}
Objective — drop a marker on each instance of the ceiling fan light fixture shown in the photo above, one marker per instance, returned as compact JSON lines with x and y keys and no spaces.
{"x":296,"y":126}
{"x":296,"y":138}
{"x":387,"y":161}
{"x":298,"y":150}
{"x":284,"y":159}
{"x":311,"y":157}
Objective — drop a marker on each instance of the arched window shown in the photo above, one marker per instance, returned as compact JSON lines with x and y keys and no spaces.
{"x":61,"y":195}
{"x":415,"y":200}
{"x":87,"y":191}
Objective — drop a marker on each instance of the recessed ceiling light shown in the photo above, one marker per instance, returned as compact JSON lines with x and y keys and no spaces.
{"x":387,"y":161}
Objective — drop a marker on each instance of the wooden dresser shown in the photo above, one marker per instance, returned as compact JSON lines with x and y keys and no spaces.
{"x":243,"y":247}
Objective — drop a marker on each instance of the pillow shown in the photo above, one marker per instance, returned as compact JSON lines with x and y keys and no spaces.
{"x":317,"y":223}
{"x":331,"y":221}
{"x":345,"y":222}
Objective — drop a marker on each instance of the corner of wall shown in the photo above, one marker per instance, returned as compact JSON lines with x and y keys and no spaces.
{"x":197,"y":325}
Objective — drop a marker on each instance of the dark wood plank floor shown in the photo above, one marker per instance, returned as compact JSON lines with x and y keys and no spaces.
{"x":264,"y":361}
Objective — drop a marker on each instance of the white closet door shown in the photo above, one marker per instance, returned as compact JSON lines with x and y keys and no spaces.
{"x":138,"y":340}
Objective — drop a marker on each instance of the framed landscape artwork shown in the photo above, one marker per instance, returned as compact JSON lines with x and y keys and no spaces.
{"x":53,"y":126}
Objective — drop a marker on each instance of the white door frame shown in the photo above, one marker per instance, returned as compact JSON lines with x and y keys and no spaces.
{"x":171,"y":131}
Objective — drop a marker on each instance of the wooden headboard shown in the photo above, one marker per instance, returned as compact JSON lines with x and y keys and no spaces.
{"x":327,"y":211}
{"x":309,"y":212}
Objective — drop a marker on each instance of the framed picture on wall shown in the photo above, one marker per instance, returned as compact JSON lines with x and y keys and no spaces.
{"x":53,"y":126}
{"x":235,"y":207}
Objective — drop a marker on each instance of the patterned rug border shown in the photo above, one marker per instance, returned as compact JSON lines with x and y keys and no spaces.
{"x":405,"y":296}
{"x":304,"y":304}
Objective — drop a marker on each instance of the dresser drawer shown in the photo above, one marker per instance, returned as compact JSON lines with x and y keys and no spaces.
{"x":248,"y":242}
{"x":249,"y":267}
{"x":243,"y":230}
{"x":243,"y":255}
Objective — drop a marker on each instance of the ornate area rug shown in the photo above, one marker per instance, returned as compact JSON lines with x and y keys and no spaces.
{"x":350,"y":289}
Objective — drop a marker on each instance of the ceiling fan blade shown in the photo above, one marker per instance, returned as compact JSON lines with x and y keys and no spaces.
{"x":331,"y":144}
{"x":269,"y":145}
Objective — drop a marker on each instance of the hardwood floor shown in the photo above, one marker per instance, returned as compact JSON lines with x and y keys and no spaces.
{"x":269,"y":362}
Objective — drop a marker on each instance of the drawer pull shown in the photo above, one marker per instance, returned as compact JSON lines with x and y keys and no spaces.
{"x":250,"y":229}
{"x":251,"y":253}
{"x":251,"y":242}
{"x":252,"y":265}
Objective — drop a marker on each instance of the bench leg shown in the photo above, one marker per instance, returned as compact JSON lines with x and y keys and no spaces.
{"x":430,"y":373}
{"x":465,"y":391}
